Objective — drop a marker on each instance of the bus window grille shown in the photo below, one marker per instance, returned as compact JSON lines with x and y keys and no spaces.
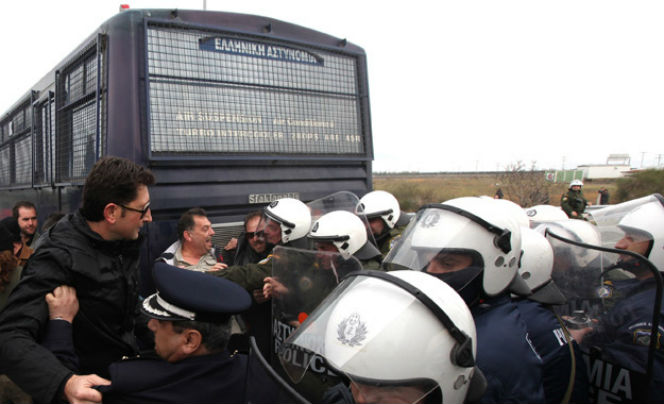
{"x":23,"y":160}
{"x":77,"y":120}
{"x":5,"y":165}
{"x":208,"y":101}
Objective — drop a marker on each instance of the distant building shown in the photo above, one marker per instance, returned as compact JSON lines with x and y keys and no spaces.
{"x":617,"y":165}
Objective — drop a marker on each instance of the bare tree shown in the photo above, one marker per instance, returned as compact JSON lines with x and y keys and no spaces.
{"x":526,"y":187}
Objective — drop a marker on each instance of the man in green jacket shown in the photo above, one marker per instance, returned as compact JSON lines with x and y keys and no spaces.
{"x":573,"y":202}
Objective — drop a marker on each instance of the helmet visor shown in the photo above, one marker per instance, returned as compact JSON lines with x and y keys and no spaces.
{"x":342,"y":200}
{"x":437,"y":242}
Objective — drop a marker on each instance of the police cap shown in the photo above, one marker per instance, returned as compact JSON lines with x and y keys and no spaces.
{"x":190,"y":295}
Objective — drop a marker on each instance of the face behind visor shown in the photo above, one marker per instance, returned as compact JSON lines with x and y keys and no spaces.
{"x":471,"y":226}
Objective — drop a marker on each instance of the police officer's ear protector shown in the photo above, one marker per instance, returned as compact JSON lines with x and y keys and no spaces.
{"x":502,"y":238}
{"x":462,"y":352}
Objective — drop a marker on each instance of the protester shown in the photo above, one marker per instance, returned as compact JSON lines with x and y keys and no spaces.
{"x":250,"y":248}
{"x":25,"y":213}
{"x":96,"y":251}
{"x":194,"y":250}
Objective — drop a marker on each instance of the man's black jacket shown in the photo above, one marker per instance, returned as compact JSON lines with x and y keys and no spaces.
{"x":104,"y":274}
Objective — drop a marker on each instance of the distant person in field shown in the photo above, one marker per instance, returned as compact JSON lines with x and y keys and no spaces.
{"x":573,"y":202}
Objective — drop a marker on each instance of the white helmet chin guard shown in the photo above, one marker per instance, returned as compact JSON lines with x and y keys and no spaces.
{"x":380,"y":204}
{"x":399,"y":328}
{"x":293,"y":217}
{"x":343,"y":229}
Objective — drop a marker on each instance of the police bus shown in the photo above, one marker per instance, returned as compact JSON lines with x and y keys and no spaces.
{"x":230,"y":111}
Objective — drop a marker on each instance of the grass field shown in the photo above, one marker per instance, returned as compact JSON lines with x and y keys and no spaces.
{"x":415,"y":190}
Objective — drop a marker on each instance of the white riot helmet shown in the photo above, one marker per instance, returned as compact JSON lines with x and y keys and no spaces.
{"x":293,"y":217}
{"x":578,"y":231}
{"x":470,"y":226}
{"x":642,"y":218}
{"x":536,"y":267}
{"x":545,"y":213}
{"x":517,"y":212}
{"x":648,"y":219}
{"x":343,"y":229}
{"x":395,"y":329}
{"x":575,"y":182}
{"x":380,"y":204}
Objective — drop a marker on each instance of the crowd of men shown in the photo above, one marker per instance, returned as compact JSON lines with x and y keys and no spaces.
{"x":469,"y":300}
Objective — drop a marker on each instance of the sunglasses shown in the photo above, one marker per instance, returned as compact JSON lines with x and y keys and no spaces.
{"x":141,"y":211}
{"x":251,"y":234}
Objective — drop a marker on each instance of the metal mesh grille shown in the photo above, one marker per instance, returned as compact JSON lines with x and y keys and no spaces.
{"x":229,"y":94}
{"x":5,"y":165}
{"x":16,"y":149}
{"x":76,"y":144}
{"x":24,"y":161}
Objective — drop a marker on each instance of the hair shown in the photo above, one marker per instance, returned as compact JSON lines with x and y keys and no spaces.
{"x":215,"y":336}
{"x":52,"y":219}
{"x":8,"y":264}
{"x":112,"y":180}
{"x":186,"y":221}
{"x":251,"y":215}
{"x":22,"y":204}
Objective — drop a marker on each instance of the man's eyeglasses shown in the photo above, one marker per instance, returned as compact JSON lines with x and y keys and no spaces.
{"x":141,"y":211}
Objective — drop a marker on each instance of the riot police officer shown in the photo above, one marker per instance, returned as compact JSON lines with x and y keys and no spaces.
{"x":190,"y":317}
{"x":399,"y":336}
{"x":573,"y":202}
{"x":472,"y":245}
{"x":382,"y":211}
{"x":623,"y":334}
{"x":286,"y":222}
{"x":564,"y":374}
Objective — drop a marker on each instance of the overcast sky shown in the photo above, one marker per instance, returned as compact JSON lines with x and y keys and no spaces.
{"x":454,"y":86}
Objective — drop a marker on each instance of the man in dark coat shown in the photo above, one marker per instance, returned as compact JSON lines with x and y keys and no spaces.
{"x":190,"y":317}
{"x":96,"y":251}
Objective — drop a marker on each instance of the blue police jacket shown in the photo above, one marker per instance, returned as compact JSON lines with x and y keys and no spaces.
{"x":511,"y":366}
{"x":623,"y":333}
{"x":549,"y":340}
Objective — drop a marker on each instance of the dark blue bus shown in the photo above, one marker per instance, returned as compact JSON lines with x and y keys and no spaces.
{"x":230,"y":112}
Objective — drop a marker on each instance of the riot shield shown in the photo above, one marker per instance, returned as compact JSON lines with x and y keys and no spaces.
{"x":342,"y":200}
{"x":613,"y":311}
{"x":264,"y":384}
{"x":300,"y":280}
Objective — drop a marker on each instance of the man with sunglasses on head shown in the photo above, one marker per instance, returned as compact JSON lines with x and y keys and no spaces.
{"x":250,"y":248}
{"x":96,"y":251}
